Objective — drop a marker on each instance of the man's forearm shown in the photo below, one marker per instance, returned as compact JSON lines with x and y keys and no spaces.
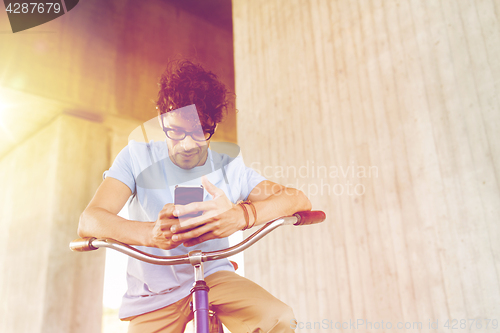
{"x":99,"y":223}
{"x":285,"y":202}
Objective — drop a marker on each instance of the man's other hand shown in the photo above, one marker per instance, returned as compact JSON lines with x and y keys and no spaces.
{"x":161,"y":235}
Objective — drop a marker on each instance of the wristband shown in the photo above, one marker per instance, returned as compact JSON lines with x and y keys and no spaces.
{"x":245,"y":213}
{"x":254,"y":211}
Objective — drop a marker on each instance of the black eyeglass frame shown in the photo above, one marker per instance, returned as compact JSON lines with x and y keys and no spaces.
{"x":167,"y":129}
{"x":211,"y":131}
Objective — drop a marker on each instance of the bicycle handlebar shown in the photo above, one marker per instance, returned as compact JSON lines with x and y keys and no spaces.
{"x":300,"y":218}
{"x":82,"y":244}
{"x":309,"y":217}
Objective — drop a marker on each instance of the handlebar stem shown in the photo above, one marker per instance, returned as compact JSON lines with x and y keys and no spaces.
{"x":196,"y":259}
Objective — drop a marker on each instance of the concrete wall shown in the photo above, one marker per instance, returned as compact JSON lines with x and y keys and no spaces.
{"x":106,"y":57}
{"x":46,"y":183}
{"x":406,"y":89}
{"x":71,"y":91}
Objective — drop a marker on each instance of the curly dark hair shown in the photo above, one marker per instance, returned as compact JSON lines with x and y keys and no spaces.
{"x":184,"y":83}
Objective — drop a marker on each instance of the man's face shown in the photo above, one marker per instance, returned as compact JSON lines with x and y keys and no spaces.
{"x":186,"y":153}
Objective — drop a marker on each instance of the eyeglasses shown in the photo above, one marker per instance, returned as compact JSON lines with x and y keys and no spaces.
{"x":179,"y":134}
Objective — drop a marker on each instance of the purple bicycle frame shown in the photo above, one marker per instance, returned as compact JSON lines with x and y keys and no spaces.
{"x":200,"y":293}
{"x":200,"y":307}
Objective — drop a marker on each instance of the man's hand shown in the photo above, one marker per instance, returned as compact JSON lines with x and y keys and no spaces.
{"x":222,"y":218}
{"x":161,"y":235}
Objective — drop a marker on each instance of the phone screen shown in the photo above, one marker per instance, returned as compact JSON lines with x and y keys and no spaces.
{"x":184,"y":195}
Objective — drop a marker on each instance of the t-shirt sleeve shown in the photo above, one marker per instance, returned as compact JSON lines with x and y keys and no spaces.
{"x":249,"y":179}
{"x":122,"y":169}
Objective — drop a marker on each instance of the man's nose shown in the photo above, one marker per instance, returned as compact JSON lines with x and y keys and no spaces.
{"x":188,"y":143}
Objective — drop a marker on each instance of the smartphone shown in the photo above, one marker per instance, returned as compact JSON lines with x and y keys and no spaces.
{"x":184,"y":195}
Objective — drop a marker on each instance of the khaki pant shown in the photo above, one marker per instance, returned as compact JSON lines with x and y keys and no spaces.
{"x":241,"y":305}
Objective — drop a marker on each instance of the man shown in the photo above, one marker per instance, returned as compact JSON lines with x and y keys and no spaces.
{"x":191,"y":102}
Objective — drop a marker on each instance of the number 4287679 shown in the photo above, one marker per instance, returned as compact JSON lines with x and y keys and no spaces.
{"x":455,"y":324}
{"x":33,"y":7}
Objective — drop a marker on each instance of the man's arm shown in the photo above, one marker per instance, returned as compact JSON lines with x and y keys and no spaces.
{"x":100,"y":219}
{"x":270,"y":199}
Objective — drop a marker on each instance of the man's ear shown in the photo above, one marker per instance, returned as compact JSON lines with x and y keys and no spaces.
{"x":215,"y":129}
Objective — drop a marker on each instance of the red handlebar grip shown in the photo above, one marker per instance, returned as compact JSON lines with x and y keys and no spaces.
{"x":309,"y":217}
{"x":82,"y":244}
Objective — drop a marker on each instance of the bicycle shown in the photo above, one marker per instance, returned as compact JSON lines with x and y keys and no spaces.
{"x":200,"y":305}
